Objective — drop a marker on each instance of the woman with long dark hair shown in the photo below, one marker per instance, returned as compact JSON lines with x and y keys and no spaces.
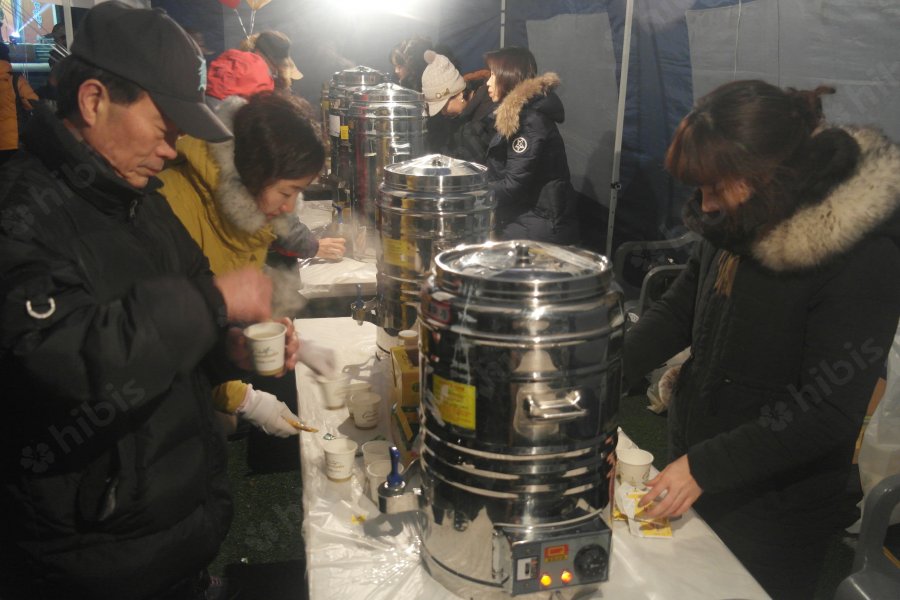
{"x":526,"y":160}
{"x":408,"y":61}
{"x":789,"y":306}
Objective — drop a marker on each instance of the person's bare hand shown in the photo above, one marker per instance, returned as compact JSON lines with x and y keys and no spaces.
{"x":680,"y":487}
{"x":237,"y":349}
{"x":291,"y":345}
{"x":331,"y":248}
{"x":248,"y":295}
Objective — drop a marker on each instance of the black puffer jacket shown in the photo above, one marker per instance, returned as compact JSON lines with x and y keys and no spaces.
{"x":113,"y":475}
{"x":467,"y":135}
{"x":770,"y":404}
{"x":527,"y":166}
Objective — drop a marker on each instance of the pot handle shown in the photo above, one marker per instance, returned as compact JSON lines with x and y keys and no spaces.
{"x":555,"y":406}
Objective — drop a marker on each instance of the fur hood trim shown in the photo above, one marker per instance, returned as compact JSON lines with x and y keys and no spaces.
{"x":235,"y":201}
{"x":856,"y":207}
{"x":507,"y":119}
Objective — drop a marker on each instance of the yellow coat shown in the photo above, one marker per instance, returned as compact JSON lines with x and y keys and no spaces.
{"x":204,"y":190}
{"x":9,"y":125}
{"x":191,"y":184}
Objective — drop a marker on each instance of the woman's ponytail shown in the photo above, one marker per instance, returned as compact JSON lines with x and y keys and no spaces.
{"x":808,"y":104}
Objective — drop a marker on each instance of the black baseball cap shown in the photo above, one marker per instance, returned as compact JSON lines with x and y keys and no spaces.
{"x":148,"y":48}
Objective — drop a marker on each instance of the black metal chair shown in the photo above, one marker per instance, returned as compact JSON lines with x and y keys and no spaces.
{"x":645,"y":270}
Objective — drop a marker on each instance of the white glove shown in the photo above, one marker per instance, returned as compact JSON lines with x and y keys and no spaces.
{"x":268,"y":413}
{"x":319,"y":359}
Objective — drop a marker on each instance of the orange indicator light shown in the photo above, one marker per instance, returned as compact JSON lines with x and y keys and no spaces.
{"x":566,"y":577}
{"x":546,"y":580}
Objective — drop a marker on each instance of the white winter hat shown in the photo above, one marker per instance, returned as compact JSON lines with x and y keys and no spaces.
{"x":440,"y":81}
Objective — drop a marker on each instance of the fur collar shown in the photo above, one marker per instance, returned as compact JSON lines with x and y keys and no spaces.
{"x":507,"y":118}
{"x":853,"y":209}
{"x":235,"y":201}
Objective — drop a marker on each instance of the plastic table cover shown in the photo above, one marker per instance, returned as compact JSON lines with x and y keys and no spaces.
{"x":355,"y":552}
{"x":328,"y":279}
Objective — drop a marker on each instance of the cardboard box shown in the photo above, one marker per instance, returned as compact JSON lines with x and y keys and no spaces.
{"x":404,"y":431}
{"x":405,"y":363}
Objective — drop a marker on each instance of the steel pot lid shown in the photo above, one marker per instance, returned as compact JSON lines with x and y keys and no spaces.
{"x":522,"y":269}
{"x":387,"y":93}
{"x":358,"y":76}
{"x":435,"y":173}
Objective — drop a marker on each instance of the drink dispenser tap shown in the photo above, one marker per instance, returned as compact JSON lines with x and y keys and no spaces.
{"x":363,"y":310}
{"x":394,"y":496}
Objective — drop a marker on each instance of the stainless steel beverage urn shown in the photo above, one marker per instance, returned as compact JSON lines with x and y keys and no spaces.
{"x":387,"y":125}
{"x":425,"y":205}
{"x":342,"y":86}
{"x":520,"y":356}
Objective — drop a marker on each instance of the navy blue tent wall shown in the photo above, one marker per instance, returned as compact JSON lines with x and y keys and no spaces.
{"x":680,"y":50}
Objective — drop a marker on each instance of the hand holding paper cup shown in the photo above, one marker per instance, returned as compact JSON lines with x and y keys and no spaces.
{"x":633,"y":466}
{"x":266,"y":344}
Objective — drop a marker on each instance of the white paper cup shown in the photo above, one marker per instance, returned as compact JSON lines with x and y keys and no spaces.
{"x":376,"y":473}
{"x":339,"y":457}
{"x":355,"y":387}
{"x":633,"y":466}
{"x":334,"y":390}
{"x":364,"y":408}
{"x":266,"y":343}
{"x":376,"y":450}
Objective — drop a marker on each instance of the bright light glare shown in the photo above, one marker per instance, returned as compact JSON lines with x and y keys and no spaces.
{"x":356,"y":7}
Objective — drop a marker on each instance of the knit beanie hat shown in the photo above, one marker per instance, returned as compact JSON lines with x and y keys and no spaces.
{"x":440,"y":81}
{"x":238,"y":73}
{"x":276,"y":48}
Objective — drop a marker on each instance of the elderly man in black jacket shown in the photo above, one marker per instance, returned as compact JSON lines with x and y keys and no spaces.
{"x":113,"y":483}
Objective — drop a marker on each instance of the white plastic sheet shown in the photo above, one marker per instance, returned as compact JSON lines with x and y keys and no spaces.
{"x":354,"y":552}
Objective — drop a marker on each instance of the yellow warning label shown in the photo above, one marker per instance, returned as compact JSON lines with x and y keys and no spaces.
{"x":456,"y":401}
{"x":345,"y":132}
{"x":399,"y":253}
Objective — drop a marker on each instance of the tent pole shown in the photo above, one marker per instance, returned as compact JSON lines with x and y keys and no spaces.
{"x":615,"y":184}
{"x":70,"y":31}
{"x":502,"y":23}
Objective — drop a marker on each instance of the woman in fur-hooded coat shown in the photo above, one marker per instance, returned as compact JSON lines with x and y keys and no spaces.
{"x":205,"y":191}
{"x":527,"y":166}
{"x":220,"y":207}
{"x":789,"y":305}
